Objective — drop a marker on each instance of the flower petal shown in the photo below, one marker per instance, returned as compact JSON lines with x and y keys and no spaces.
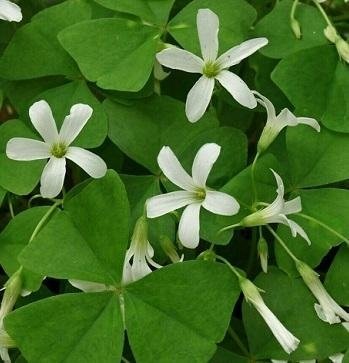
{"x":297,"y":229}
{"x":20,"y":148}
{"x":88,"y":161}
{"x":280,"y":184}
{"x":220,"y":203}
{"x":237,"y":88}
{"x":208,"y":26}
{"x":203,"y":163}
{"x":52,"y":177}
{"x":189,"y":226}
{"x":87,"y":286}
{"x":236,"y":54}
{"x":265,"y":102}
{"x":287,"y":118}
{"x":199,"y":98}
{"x":310,"y":122}
{"x":293,"y":206}
{"x":162,"y":204}
{"x":40,"y":114}
{"x":177,"y":58}
{"x":10,"y":11}
{"x":173,"y":169}
{"x":74,"y":122}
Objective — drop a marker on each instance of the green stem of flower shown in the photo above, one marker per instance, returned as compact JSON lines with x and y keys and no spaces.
{"x":325,"y":226}
{"x":293,"y":9}
{"x":253,"y":178}
{"x":282,"y":243}
{"x":323,"y":13}
{"x":232,"y":268}
{"x":44,"y":219}
{"x":229,"y":227}
{"x":123,"y":359}
{"x":10,"y":206}
{"x":238,"y":341}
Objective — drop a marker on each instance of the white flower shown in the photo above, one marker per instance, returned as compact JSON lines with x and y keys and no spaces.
{"x":277,"y":211}
{"x":195,"y":193}
{"x":286,"y":339}
{"x":327,"y":309}
{"x":275,"y":123}
{"x":10,"y":11}
{"x":211,"y":67}
{"x":56,"y":146}
{"x":337,"y":358}
{"x":141,"y":252}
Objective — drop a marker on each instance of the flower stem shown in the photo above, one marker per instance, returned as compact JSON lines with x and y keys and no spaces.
{"x":238,"y":341}
{"x":325,"y":226}
{"x":323,"y":13}
{"x":229,"y":227}
{"x":10,"y":206}
{"x":253,"y":178}
{"x":282,"y":243}
{"x":233,"y":269}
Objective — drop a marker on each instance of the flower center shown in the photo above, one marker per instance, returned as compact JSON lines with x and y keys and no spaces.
{"x":201,"y":194}
{"x":211,"y":69}
{"x":59,"y":149}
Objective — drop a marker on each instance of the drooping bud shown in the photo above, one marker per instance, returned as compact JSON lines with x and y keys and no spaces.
{"x":296,"y":28}
{"x":263,"y":253}
{"x":207,"y":255}
{"x":341,"y":45}
{"x":170,"y":250}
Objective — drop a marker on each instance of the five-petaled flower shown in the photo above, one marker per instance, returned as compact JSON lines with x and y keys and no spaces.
{"x":194,"y":195}
{"x":141,"y":252}
{"x":10,"y":11}
{"x":211,"y":67}
{"x":286,"y":339}
{"x":277,"y":212}
{"x":327,"y":309}
{"x":56,"y":146}
{"x":275,"y":123}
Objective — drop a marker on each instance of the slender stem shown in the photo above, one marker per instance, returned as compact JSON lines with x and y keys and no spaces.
{"x":238,"y":341}
{"x":44,"y":219}
{"x":312,"y":219}
{"x":253,"y":178}
{"x":235,"y":271}
{"x":123,"y":359}
{"x":323,"y":13}
{"x":293,"y":9}
{"x":282,"y":243}
{"x":10,"y":206}
{"x":229,"y":227}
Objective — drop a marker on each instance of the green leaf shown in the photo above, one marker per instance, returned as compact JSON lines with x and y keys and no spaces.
{"x":316,"y":158}
{"x":293,"y":304}
{"x":328,"y":206}
{"x":328,"y":102}
{"x":277,"y":28}
{"x":18,"y":177}
{"x":37,"y":41}
{"x":62,"y":98}
{"x":125,"y":56}
{"x":148,"y":125}
{"x":14,"y":238}
{"x":74,"y":328}
{"x":235,"y":16}
{"x":88,"y":239}
{"x":178,"y":313}
{"x":156,"y":11}
{"x":337,"y":277}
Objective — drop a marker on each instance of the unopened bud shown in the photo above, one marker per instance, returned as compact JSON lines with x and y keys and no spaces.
{"x":343,"y":49}
{"x":331,"y":34}
{"x":207,"y":255}
{"x":13,"y":288}
{"x":263,"y":253}
{"x":169,"y":249}
{"x":296,"y":28}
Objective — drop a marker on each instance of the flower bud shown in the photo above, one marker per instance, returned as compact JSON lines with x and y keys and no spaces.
{"x":263,"y":253}
{"x":341,"y":45}
{"x":331,"y":34}
{"x":296,"y":28}
{"x":169,"y":249}
{"x":13,"y":288}
{"x":207,"y":255}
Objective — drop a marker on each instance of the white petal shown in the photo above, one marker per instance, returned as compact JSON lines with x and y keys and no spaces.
{"x":52,"y":177}
{"x":162,"y":204}
{"x":310,"y":122}
{"x":4,"y":355}
{"x":287,"y":118}
{"x":87,"y":286}
{"x":199,"y":98}
{"x":189,"y":226}
{"x":10,"y":11}
{"x":280,"y":184}
{"x":328,"y":315}
{"x":208,"y":26}
{"x":203,"y":163}
{"x":265,"y":102}
{"x":293,"y":206}
{"x":173,"y":169}
{"x":20,"y":148}
{"x":176,"y":58}
{"x":297,"y":229}
{"x":236,"y":54}
{"x":40,"y":114}
{"x":237,"y":88}
{"x":220,"y":203}
{"x":337,"y":358}
{"x":90,"y":162}
{"x":74,"y":122}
